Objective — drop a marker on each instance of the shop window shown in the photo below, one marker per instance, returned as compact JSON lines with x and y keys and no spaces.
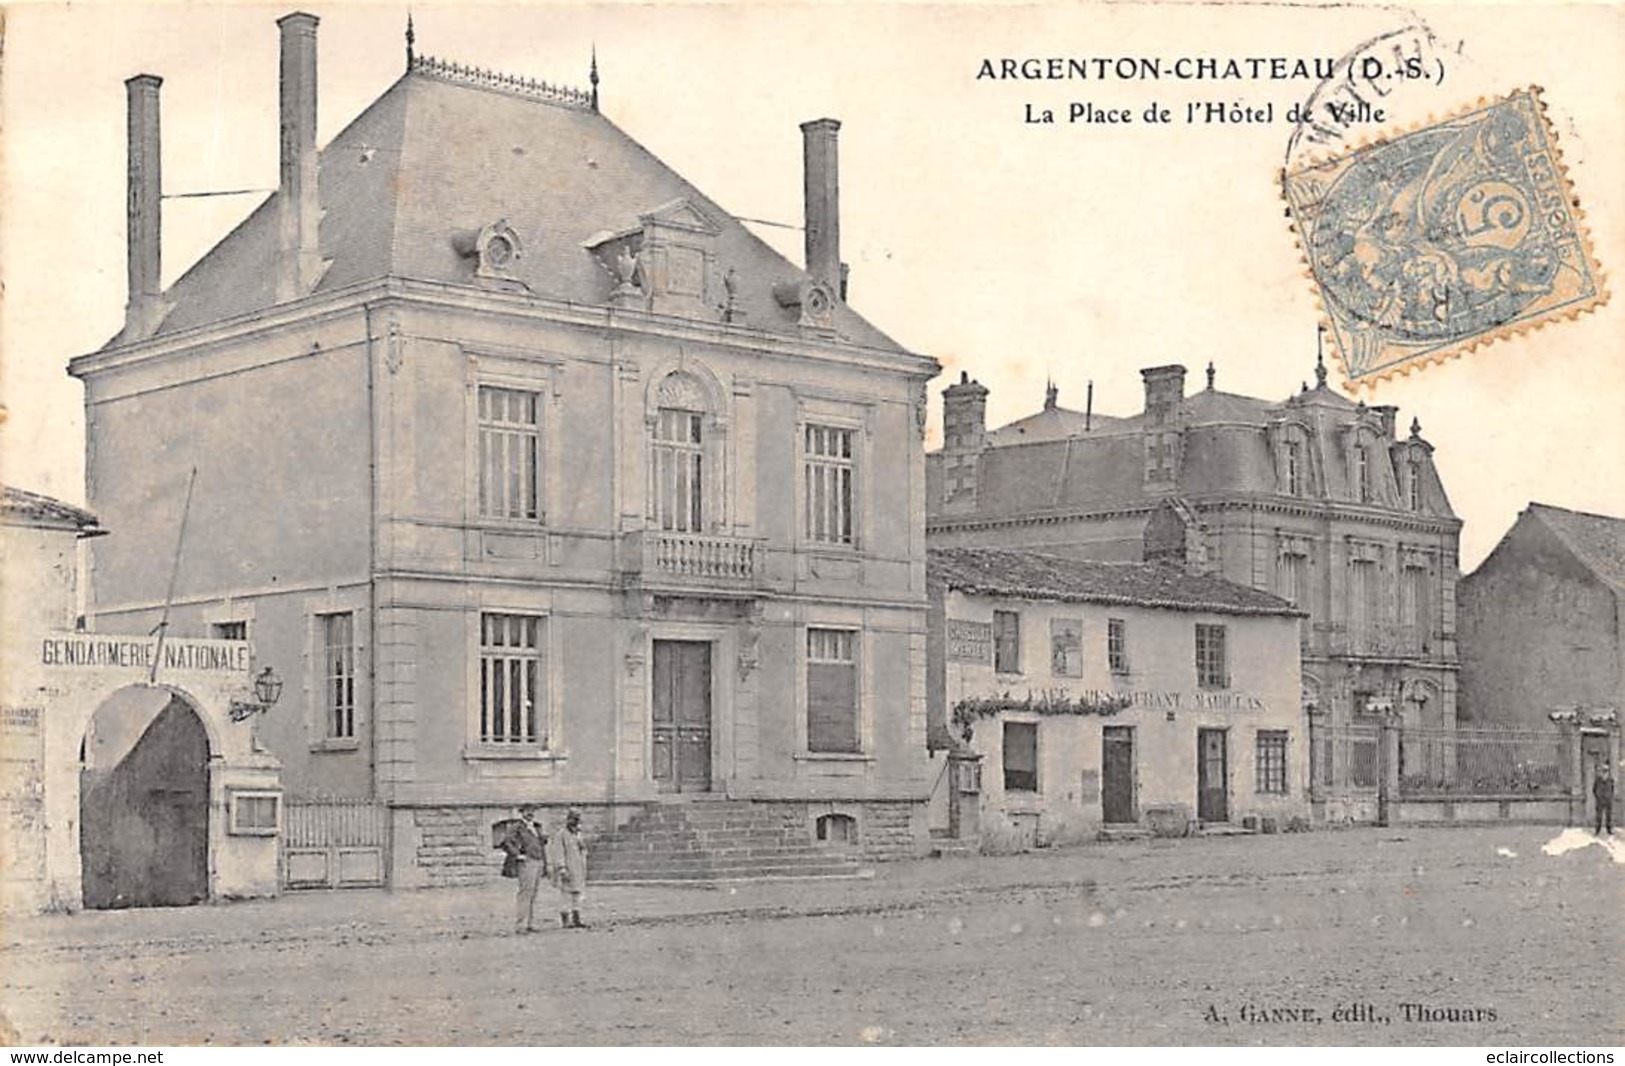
{"x":832,"y":691}
{"x":1006,"y":642}
{"x":1271,"y":760}
{"x":1021,"y":756}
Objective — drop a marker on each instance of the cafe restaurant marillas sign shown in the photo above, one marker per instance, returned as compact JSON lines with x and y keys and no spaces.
{"x":137,"y":653}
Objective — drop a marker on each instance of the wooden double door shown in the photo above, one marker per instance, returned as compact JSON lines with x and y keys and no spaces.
{"x":681,"y":712}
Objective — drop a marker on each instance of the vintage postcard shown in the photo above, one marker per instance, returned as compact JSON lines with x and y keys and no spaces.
{"x":782,"y":524}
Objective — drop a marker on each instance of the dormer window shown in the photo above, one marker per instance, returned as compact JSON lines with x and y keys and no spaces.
{"x":1362,"y":473}
{"x":1294,"y":468}
{"x":1413,"y":485}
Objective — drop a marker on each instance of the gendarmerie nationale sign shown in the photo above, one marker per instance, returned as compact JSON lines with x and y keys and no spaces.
{"x":126,"y":653}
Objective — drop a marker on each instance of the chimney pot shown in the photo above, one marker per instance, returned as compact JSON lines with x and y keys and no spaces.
{"x":821,"y":188}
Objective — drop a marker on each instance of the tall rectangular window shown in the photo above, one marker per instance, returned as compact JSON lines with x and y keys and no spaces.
{"x":510,"y":453}
{"x":677,"y":467}
{"x":832,"y":691}
{"x":1294,"y":468}
{"x":1364,"y":606}
{"x":827,"y":484}
{"x":1212,"y":664}
{"x":1294,"y":579}
{"x":511,"y":680}
{"x":338,"y":674}
{"x":1413,"y":485}
{"x":1271,"y":760}
{"x":1415,"y":597}
{"x":1117,"y":645}
{"x":1006,"y":642}
{"x":1021,"y":756}
{"x":1362,"y":474}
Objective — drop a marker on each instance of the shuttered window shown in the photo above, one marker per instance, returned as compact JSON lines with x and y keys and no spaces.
{"x":1021,"y":756}
{"x":832,"y":691}
{"x":1006,"y":642}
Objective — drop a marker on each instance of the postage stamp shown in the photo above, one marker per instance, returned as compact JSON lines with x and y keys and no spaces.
{"x":1455,"y":234}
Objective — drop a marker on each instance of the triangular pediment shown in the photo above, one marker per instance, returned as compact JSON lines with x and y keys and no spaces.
{"x":683,"y":215}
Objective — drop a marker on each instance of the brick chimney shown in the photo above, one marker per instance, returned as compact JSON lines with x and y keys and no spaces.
{"x":299,"y":211}
{"x":1162,"y":426}
{"x":821,"y":187}
{"x":144,"y":208}
{"x":1389,"y":415}
{"x":964,"y":434}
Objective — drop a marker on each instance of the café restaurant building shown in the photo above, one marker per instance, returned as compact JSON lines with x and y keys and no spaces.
{"x":1115,"y":696}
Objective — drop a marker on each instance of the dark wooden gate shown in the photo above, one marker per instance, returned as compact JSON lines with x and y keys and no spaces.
{"x":144,"y":823}
{"x":1212,"y":776}
{"x":682,"y":715}
{"x":1117,"y":774}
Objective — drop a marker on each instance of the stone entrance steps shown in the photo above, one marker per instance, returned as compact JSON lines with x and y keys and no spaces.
{"x":702,"y":841}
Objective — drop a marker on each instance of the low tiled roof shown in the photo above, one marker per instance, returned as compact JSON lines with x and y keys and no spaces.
{"x":1036,"y":576}
{"x":1596,"y":540}
{"x":30,"y":508}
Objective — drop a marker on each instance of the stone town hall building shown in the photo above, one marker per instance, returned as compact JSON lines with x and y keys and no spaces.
{"x":534,"y":473}
{"x":1314,"y":498}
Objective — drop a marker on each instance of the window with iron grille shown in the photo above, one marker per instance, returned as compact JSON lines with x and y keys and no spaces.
{"x":827,"y":476}
{"x":338,"y":674}
{"x":1021,"y":756}
{"x":1006,"y":642}
{"x":510,"y":453}
{"x":1271,"y":759}
{"x":1117,"y":645}
{"x":832,"y":691}
{"x":511,"y":680}
{"x":677,"y":468}
{"x":1212,"y":665}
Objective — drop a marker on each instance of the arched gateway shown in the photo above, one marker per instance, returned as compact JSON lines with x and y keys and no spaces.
{"x":136,"y":785}
{"x":144,"y":802}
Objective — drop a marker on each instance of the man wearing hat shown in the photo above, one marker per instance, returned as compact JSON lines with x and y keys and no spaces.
{"x":526,"y":844}
{"x":570,"y":871}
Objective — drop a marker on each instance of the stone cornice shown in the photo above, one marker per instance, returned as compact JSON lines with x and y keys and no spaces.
{"x":1318,"y":510}
{"x":326,"y":306}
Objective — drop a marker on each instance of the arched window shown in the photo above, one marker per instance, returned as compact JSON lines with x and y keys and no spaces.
{"x":836,"y":829}
{"x":678,"y":458}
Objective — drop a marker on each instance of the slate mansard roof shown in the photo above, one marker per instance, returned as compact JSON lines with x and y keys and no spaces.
{"x":1036,"y":576}
{"x":436,"y":155}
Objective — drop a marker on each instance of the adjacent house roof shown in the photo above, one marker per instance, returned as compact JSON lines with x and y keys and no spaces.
{"x":24,"y":508}
{"x":1598,"y":541}
{"x":436,"y":156}
{"x":1036,"y":576}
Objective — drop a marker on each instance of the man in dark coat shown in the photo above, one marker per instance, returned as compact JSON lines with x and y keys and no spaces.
{"x":1602,"y":791}
{"x":526,"y":844}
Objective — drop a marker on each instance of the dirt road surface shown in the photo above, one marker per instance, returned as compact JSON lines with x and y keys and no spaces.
{"x":1319,"y":938}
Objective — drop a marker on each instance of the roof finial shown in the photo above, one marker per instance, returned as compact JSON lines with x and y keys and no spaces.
{"x":1416,"y":427}
{"x":1051,"y":394}
{"x":1320,"y":357}
{"x":411,"y":38}
{"x":1210,"y":375}
{"x":592,"y":75}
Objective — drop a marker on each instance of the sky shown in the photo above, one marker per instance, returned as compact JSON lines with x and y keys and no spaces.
{"x":1012,"y":250}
